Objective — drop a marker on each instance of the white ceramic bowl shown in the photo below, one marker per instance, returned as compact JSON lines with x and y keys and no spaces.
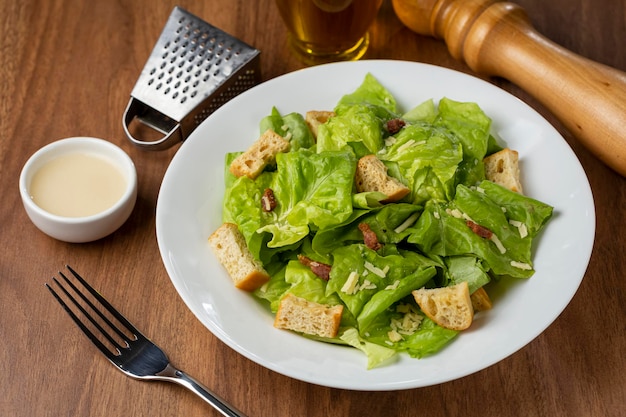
{"x":190,"y":202}
{"x":91,"y":227}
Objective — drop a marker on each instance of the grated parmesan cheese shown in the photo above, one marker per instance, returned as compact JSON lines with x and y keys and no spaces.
{"x":407,"y":223}
{"x":499,"y":244}
{"x":367,"y":285}
{"x":406,"y":146}
{"x":390,"y":140}
{"x":521,"y":228}
{"x":407,"y":325}
{"x":466,"y":217}
{"x":455,"y":213}
{"x":394,"y":336}
{"x":393,"y":286}
{"x":350,"y":285}
{"x":410,"y":323}
{"x":521,"y":265}
{"x":375,"y":270}
{"x":395,"y":324}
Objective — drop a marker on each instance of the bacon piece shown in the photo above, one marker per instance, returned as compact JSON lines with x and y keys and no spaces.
{"x":479,"y":230}
{"x":393,"y":126}
{"x":369,"y":237}
{"x":318,"y":268}
{"x":268,"y":201}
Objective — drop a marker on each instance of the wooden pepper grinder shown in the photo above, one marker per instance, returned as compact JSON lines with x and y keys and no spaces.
{"x":496,"y":38}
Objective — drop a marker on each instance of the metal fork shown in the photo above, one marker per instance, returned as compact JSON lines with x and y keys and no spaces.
{"x":136,"y":355}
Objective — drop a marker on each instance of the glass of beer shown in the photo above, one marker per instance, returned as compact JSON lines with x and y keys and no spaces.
{"x":323,"y":31}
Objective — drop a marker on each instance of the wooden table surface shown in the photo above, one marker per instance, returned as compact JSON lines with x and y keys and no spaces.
{"x":67,"y":68}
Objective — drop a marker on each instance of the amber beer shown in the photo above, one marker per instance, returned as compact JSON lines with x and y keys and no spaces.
{"x":328,"y":30}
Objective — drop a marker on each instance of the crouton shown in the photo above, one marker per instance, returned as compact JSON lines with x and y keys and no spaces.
{"x":315,"y":118}
{"x":261,"y":154}
{"x":502,"y":168}
{"x":480,"y":300}
{"x":371,"y":175}
{"x":231,"y":250}
{"x":300,"y":315}
{"x":449,"y":307}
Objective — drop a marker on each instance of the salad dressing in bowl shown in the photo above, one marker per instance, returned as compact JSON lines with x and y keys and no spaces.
{"x":77,"y":185}
{"x":79,"y":189}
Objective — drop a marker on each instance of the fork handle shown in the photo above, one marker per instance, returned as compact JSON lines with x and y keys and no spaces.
{"x":170,"y":373}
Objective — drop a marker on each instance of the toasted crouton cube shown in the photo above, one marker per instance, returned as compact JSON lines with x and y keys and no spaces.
{"x":261,"y":154}
{"x":315,"y":118}
{"x":502,"y":168}
{"x":449,"y":307}
{"x":231,"y":250}
{"x":371,"y":175}
{"x":480,"y":300}
{"x":300,"y":315}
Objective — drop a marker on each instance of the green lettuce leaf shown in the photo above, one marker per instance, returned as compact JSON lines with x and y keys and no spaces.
{"x":469,"y":269}
{"x":443,"y":230}
{"x":359,"y":119}
{"x":354,"y":124}
{"x":428,"y":158}
{"x":391,"y":294}
{"x":373,"y":93}
{"x":472,"y":126}
{"x":427,"y":238}
{"x":424,"y":112}
{"x":313,"y":191}
{"x":375,"y":273}
{"x":383,"y":221}
{"x":376,"y":354}
{"x":291,"y":126}
{"x":427,"y":339}
{"x":532,"y":213}
{"x":242,"y":206}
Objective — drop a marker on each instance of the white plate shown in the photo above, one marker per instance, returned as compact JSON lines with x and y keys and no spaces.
{"x":189,"y":209}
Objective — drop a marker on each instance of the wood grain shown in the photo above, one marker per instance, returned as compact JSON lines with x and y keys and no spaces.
{"x":496,"y":38}
{"x":67,"y":68}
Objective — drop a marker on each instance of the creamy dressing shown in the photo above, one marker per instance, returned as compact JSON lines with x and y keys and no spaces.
{"x":77,"y":185}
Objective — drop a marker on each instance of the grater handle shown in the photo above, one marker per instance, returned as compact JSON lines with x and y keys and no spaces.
{"x":155,"y":120}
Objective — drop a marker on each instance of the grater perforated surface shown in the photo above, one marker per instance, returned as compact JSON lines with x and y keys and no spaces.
{"x":193,"y":69}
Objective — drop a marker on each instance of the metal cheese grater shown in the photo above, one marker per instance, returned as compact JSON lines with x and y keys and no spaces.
{"x":194,"y":68}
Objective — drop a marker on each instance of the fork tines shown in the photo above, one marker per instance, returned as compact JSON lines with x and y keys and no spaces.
{"x":86,"y":305}
{"x":128,"y":349}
